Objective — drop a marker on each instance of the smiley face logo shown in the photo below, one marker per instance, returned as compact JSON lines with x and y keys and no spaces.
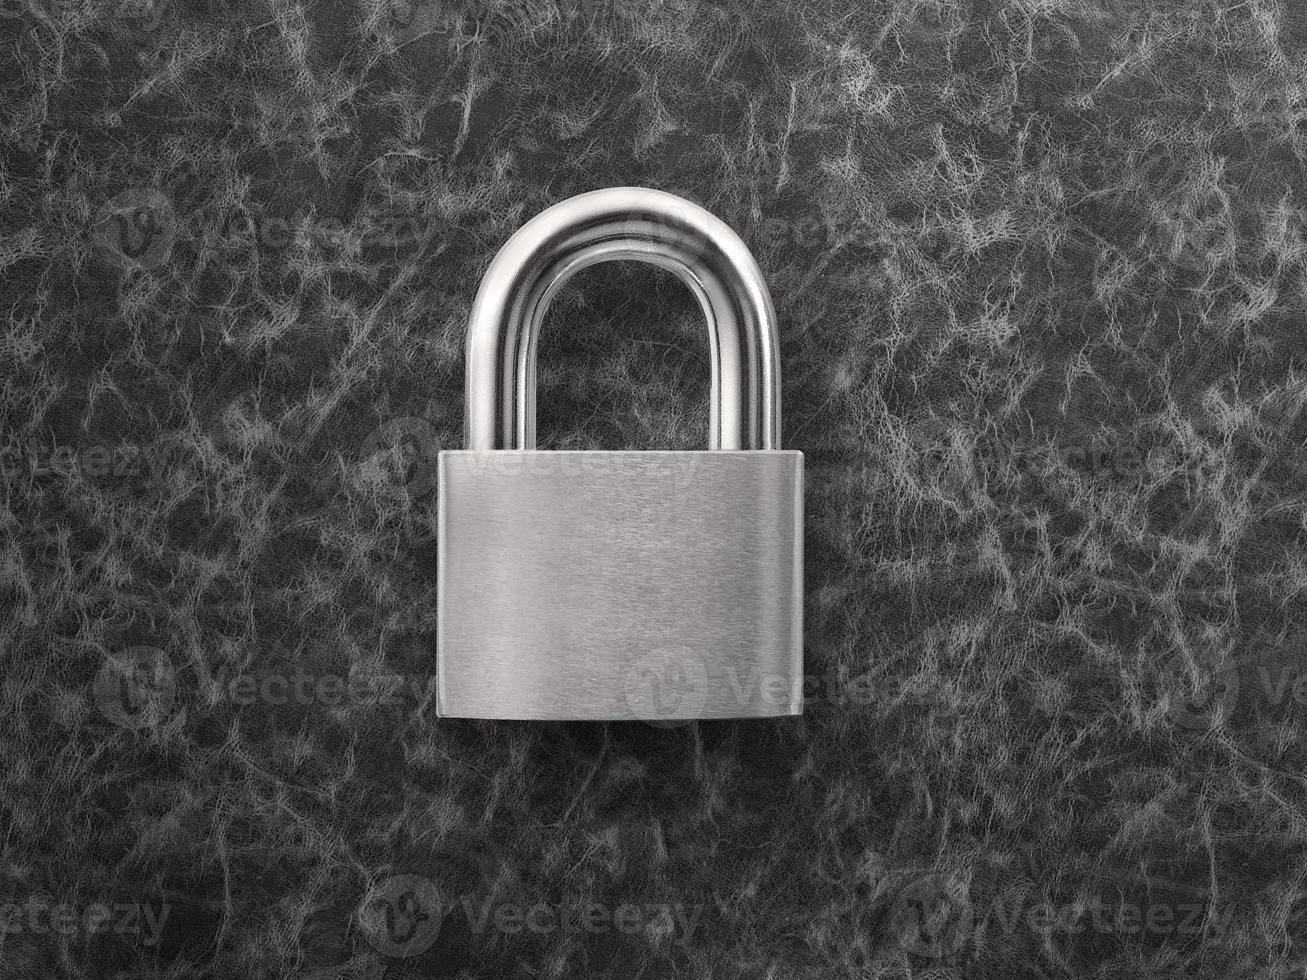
{"x":143,"y":15}
{"x":401,"y":918}
{"x":136,"y":688}
{"x":931,"y":919}
{"x":1199,"y":697}
{"x":937,"y":459}
{"x":408,"y":20}
{"x":136,"y":229}
{"x":403,"y":453}
{"x":666,"y":687}
{"x":651,"y":216}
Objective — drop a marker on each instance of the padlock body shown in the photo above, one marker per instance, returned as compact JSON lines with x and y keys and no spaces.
{"x":620,"y":585}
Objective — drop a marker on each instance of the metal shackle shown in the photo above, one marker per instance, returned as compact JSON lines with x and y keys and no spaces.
{"x":603,"y":226}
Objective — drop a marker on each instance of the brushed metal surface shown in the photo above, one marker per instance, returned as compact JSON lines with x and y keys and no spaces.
{"x":603,"y":226}
{"x":620,"y":585}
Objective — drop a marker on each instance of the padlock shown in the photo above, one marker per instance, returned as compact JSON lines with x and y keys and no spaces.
{"x":620,"y":585}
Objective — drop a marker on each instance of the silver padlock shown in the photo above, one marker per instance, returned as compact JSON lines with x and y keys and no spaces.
{"x":605,"y":585}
